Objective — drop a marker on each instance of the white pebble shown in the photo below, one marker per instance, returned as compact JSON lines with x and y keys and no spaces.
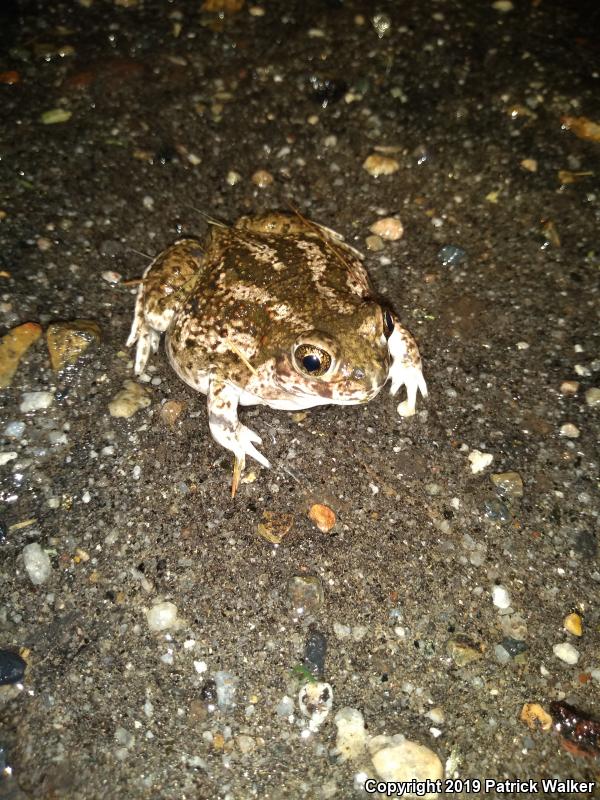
{"x":405,"y":761}
{"x":34,"y":401}
{"x":479,"y":461}
{"x":130,"y":399}
{"x":162,"y":616}
{"x":112,"y":277}
{"x":569,"y":430}
{"x":200,"y":667}
{"x":500,"y":597}
{"x":226,"y":688}
{"x":315,"y":701}
{"x":6,"y":457}
{"x":285,"y":707}
{"x":566,"y":652}
{"x":351,"y":734}
{"x":37,"y":563}
{"x":592,"y":397}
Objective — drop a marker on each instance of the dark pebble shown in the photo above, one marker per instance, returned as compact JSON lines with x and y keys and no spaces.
{"x":3,"y":532}
{"x":315,"y":651}
{"x":12,"y":667}
{"x":450,"y":255}
{"x":514,"y":647}
{"x":208,"y":692}
{"x":327,"y":90}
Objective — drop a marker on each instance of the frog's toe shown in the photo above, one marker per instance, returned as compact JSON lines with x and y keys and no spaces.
{"x":147,"y":342}
{"x":413,"y":379}
{"x":247,"y":439}
{"x":242,"y":446}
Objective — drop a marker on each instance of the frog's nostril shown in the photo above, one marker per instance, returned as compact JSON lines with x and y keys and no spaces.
{"x":358,"y":373}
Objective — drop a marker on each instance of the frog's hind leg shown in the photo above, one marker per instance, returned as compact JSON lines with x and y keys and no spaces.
{"x":164,"y":286}
{"x":223,"y":399}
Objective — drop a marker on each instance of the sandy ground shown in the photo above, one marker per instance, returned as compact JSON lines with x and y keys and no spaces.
{"x":161,"y":111}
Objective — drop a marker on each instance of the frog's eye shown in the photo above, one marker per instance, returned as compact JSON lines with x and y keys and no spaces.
{"x":388,"y":323}
{"x":312,"y":360}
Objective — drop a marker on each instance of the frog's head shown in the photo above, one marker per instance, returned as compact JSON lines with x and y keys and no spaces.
{"x":345,"y":361}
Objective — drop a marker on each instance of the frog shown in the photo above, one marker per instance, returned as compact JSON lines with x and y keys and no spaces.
{"x":274,"y":310}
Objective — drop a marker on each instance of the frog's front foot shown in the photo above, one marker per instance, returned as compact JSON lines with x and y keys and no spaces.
{"x":405,"y":369}
{"x":229,"y":432}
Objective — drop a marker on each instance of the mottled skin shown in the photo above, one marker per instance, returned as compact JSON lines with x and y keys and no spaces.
{"x":236,"y":309}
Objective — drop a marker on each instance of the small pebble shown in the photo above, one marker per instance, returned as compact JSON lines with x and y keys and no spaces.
{"x":34,"y":401}
{"x":305,"y":592}
{"x":8,"y":456}
{"x":463,"y":650}
{"x":530,"y":164}
{"x":162,"y":616}
{"x":389,"y":228}
{"x":37,"y":563}
{"x":262,"y":178}
{"x":315,"y":700}
{"x":374,"y":243}
{"x":12,"y":667}
{"x":246,"y":744}
{"x":322,"y":516}
{"x":496,"y":510}
{"x":450,"y":255}
{"x":405,"y":761}
{"x":479,"y":461}
{"x":514,"y":647}
{"x":382,"y":24}
{"x":508,"y":484}
{"x":351,"y":738}
{"x":377,"y":165}
{"x":592,"y":397}
{"x":14,"y":430}
{"x":232,"y":178}
{"x":503,"y":6}
{"x":130,"y":399}
{"x":573,"y":624}
{"x":500,"y":596}
{"x":569,"y":387}
{"x":315,"y":651}
{"x":112,"y":277}
{"x":171,"y":411}
{"x":570,"y":431}
{"x":285,"y":707}
{"x":226,"y":685}
{"x":566,"y":652}
{"x":55,"y":115}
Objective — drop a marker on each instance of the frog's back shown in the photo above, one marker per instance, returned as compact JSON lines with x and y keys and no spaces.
{"x":299,"y":263}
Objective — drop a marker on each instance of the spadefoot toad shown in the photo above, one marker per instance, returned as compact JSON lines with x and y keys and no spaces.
{"x":275,"y":310}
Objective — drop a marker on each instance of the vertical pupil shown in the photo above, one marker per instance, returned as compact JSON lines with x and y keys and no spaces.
{"x":311,"y":363}
{"x":389,"y":322}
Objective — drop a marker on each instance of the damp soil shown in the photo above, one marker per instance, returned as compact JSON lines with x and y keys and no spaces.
{"x":171,"y":110}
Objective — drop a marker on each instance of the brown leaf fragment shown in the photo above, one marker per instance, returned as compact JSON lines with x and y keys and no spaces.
{"x":582,"y":127}
{"x":13,"y":346}
{"x":274,"y":526}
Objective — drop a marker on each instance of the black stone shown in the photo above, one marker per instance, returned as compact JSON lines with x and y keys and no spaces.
{"x":315,"y":651}
{"x":12,"y":667}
